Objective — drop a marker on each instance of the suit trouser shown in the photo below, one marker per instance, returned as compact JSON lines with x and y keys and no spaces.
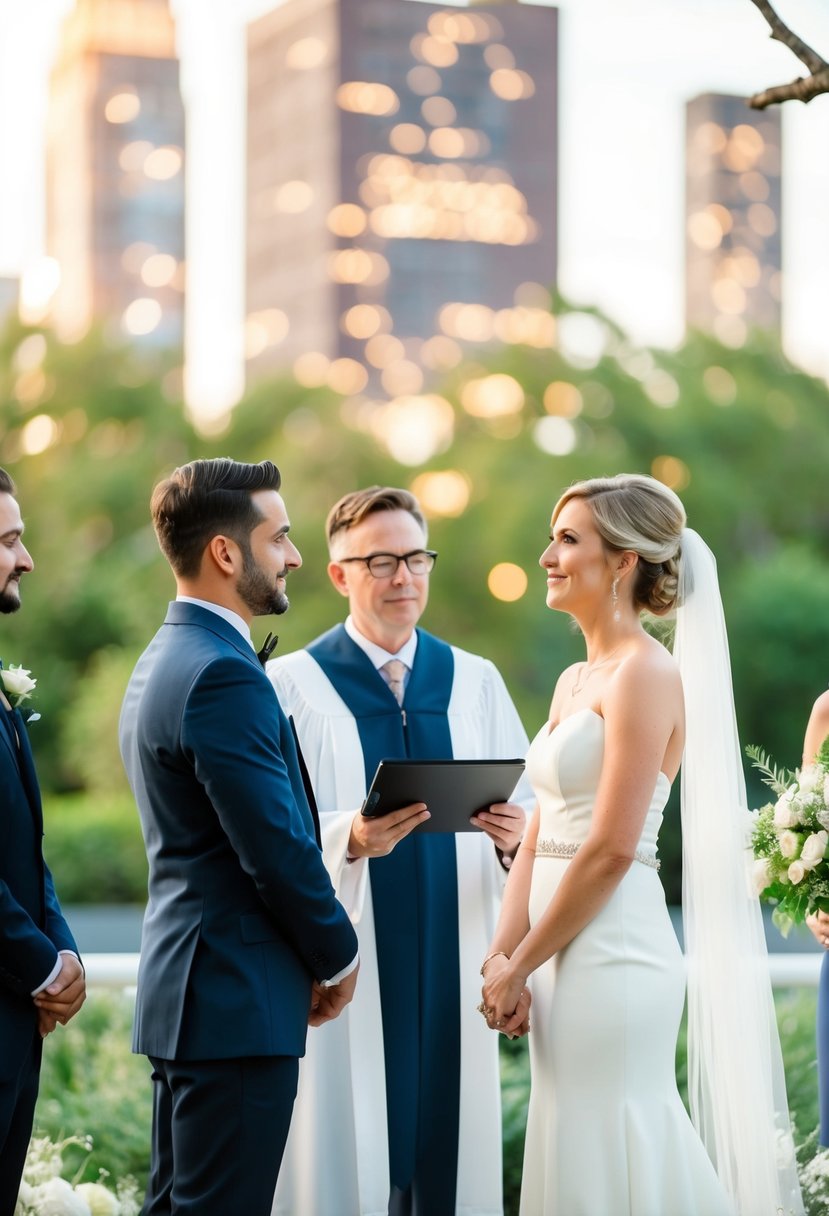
{"x":219,"y":1132}
{"x":18,"y":1095}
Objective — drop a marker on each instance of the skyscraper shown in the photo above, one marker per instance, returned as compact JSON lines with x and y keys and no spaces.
{"x":115,"y":179}
{"x":733,"y":211}
{"x":402,"y":170}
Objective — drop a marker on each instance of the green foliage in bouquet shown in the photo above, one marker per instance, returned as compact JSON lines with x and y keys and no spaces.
{"x":790,"y":839}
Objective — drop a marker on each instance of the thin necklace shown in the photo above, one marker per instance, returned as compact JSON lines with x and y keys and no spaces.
{"x":590,"y":668}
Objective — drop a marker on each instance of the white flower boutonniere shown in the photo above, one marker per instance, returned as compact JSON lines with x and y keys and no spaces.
{"x":18,"y":685}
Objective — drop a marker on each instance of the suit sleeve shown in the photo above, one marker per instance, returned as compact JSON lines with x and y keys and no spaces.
{"x":230,"y":731}
{"x":27,"y":954}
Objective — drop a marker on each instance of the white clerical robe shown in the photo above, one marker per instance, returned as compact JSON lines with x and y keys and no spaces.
{"x":336,"y":1160}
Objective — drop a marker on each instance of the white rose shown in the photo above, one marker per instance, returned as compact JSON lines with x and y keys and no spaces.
{"x":760,"y":875}
{"x":789,"y":843}
{"x":18,"y":681}
{"x":814,"y":849}
{"x":101,"y":1202}
{"x":56,"y":1198}
{"x":809,"y":778}
{"x":785,"y":809}
{"x":796,"y":872}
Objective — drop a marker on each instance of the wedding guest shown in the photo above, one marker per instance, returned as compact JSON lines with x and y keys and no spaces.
{"x":411,"y":1124}
{"x":584,"y":921}
{"x":41,"y":977}
{"x":817,"y":730}
{"x":244,"y":942}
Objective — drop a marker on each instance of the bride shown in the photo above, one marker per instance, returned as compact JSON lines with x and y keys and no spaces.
{"x":584,"y":920}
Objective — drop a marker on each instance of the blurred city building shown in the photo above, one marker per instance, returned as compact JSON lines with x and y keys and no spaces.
{"x":733,"y":209}
{"x":115,"y":172}
{"x":402,"y":182}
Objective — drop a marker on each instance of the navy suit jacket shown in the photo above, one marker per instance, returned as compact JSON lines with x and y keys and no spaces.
{"x":32,"y":928}
{"x":241,"y":913}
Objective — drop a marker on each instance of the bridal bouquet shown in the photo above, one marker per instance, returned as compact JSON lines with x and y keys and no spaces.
{"x":790,"y":839}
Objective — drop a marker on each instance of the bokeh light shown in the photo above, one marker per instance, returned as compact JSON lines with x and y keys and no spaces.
{"x":443,"y":494}
{"x":507,"y":582}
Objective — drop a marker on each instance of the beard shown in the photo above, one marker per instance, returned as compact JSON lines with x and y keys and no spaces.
{"x":258,"y":591}
{"x":10,"y":599}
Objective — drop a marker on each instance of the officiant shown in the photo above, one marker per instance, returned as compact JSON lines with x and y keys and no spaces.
{"x":383,"y":1122}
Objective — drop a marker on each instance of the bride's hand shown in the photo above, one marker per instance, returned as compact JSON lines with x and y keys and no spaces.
{"x":506,"y":1000}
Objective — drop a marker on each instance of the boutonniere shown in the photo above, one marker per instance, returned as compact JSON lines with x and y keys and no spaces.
{"x":18,"y":685}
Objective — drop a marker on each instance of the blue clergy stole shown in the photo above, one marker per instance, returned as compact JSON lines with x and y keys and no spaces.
{"x":414,"y":892}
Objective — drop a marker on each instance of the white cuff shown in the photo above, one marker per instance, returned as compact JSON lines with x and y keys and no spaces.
{"x":341,"y":975}
{"x":55,"y":972}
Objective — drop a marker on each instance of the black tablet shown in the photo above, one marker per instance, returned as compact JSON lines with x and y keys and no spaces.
{"x":453,"y":790}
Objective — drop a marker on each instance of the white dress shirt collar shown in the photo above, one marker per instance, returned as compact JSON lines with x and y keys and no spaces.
{"x":227,"y":614}
{"x":376,"y":653}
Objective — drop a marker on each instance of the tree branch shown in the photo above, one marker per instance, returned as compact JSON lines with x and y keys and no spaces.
{"x":803,"y":89}
{"x":781,"y":33}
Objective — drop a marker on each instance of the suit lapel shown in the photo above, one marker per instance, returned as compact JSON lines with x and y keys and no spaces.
{"x":7,"y":732}
{"x":27,"y":770}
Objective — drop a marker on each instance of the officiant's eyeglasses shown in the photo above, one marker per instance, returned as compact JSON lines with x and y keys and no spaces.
{"x":386,"y":565}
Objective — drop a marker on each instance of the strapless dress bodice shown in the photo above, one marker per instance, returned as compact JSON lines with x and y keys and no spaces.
{"x":564,"y":765}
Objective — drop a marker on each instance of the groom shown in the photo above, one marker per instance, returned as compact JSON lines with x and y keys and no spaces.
{"x":244,"y":942}
{"x":41,"y":978}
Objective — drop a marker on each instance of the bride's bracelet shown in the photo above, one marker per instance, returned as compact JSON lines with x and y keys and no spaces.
{"x":490,"y":957}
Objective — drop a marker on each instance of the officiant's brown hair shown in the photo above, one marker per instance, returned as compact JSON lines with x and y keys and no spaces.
{"x":207,"y":498}
{"x":353,"y":508}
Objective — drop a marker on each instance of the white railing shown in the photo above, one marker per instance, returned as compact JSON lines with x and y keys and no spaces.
{"x":121,"y":970}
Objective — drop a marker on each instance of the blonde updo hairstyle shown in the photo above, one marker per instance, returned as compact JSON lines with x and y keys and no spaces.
{"x":638,"y":513}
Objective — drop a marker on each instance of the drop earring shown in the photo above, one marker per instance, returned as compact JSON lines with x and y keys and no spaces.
{"x":614,"y":600}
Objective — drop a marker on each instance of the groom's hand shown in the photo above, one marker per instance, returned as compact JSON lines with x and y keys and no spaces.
{"x":328,"y":1003}
{"x":377,"y":836}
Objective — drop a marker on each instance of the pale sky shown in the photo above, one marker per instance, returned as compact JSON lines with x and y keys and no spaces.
{"x":627,"y":68}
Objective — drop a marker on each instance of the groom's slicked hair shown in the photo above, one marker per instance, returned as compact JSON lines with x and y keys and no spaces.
{"x":6,"y":484}
{"x":204,"y":499}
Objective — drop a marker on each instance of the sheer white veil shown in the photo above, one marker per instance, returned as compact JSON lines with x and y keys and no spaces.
{"x":736,"y":1084}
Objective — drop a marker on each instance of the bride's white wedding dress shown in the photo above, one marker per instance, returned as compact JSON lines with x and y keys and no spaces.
{"x":607,"y":1132}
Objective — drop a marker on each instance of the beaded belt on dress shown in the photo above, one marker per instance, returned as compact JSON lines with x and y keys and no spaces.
{"x":569,"y":848}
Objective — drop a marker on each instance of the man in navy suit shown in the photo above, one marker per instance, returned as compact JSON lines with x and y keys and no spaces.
{"x":41,"y":977}
{"x":244,"y":942}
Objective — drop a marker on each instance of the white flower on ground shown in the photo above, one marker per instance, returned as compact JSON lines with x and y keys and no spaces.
{"x":56,"y":1198}
{"x":789,"y":844}
{"x":814,"y":849}
{"x":796,"y":872}
{"x":100,"y":1201}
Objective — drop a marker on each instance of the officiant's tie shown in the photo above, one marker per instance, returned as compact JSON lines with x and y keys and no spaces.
{"x":395,"y":670}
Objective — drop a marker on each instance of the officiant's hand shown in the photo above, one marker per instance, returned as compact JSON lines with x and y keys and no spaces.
{"x":65,"y":995}
{"x":376,"y":837}
{"x":328,"y":1003}
{"x":504,"y":824}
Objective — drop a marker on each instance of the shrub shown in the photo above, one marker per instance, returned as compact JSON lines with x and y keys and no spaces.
{"x":94,"y":847}
{"x":92,"y":1085}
